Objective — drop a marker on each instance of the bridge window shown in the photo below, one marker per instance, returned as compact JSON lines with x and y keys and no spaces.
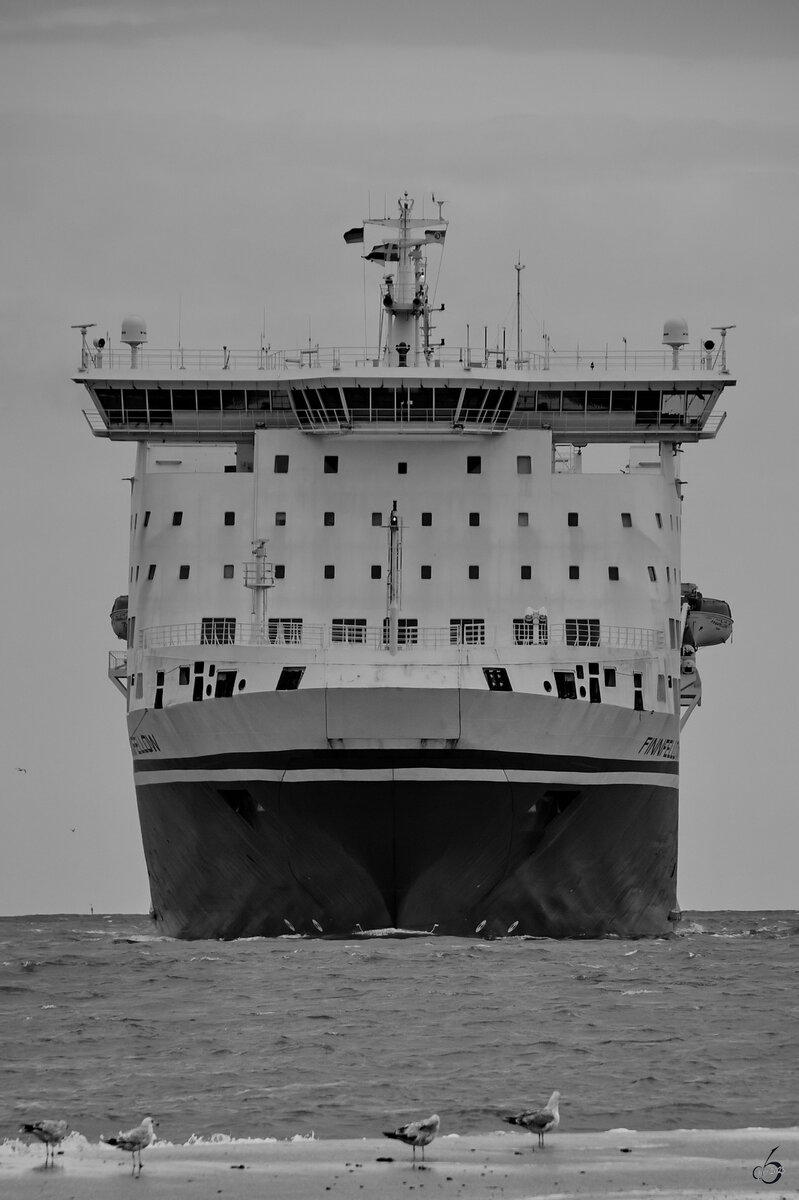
{"x":330,"y":518}
{"x":426,"y":571}
{"x":626,"y":520}
{"x":573,"y":519}
{"x":527,"y":571}
{"x":474,"y":518}
{"x":281,"y":464}
{"x":183,"y":571}
{"x":349,"y":629}
{"x":280,"y":518}
{"x":564,"y":682}
{"x":467,"y":631}
{"x":474,"y":571}
{"x":427,"y":518}
{"x":230,"y":518}
{"x":524,"y":519}
{"x":377,"y":571}
{"x":524,"y":464}
{"x":177,"y":518}
{"x":330,"y":571}
{"x":474,"y":464}
{"x":218,"y":630}
{"x":613,"y":573}
{"x":227,"y":571}
{"x":331,"y":464}
{"x":574,"y":571}
{"x":377,"y":518}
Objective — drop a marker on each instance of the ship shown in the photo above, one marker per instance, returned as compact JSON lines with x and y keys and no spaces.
{"x":401,"y":652}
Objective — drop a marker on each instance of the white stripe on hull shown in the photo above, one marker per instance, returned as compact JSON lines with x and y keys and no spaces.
{"x":408,"y":774}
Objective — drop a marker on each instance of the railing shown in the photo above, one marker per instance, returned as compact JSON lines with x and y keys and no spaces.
{"x":375,"y":637}
{"x":341,"y":358}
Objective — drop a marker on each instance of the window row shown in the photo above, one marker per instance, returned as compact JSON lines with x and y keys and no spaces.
{"x":177,"y":518}
{"x":329,"y":518}
{"x":376,"y":571}
{"x":474,"y":464}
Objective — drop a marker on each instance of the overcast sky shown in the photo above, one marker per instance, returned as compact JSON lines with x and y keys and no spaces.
{"x":197,"y":162}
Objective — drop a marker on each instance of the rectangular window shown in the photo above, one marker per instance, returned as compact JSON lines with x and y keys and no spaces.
{"x":626,"y":520}
{"x":146,"y":521}
{"x":474,"y":518}
{"x":151,"y":571}
{"x":377,"y":518}
{"x":652,"y":573}
{"x":184,"y":676}
{"x":289,"y":679}
{"x":183,"y":572}
{"x":285,"y":630}
{"x":280,"y":570}
{"x":177,"y":518}
{"x":426,"y":571}
{"x":582,"y":631}
{"x":659,"y":520}
{"x":594,"y":694}
{"x":527,"y":571}
{"x":225,"y":683}
{"x":531,"y":630}
{"x":638,"y":679}
{"x":197,"y":691}
{"x":377,"y":571}
{"x":280,"y":518}
{"x":524,"y":519}
{"x":474,"y":464}
{"x":330,"y":518}
{"x":218,"y":631}
{"x":227,"y":571}
{"x":159,"y":679}
{"x":330,"y":571}
{"x":524,"y":464}
{"x":466,"y":631}
{"x":564,"y":682}
{"x":574,"y":572}
{"x":407,"y":631}
{"x":672,"y":633}
{"x":349,"y":629}
{"x":331,"y":464}
{"x":281,"y":464}
{"x":474,"y":571}
{"x":230,"y":518}
{"x":610,"y":676}
{"x":402,"y":468}
{"x":427,"y":518}
{"x":137,"y":573}
{"x":613,"y":573}
{"x":574,"y":519}
{"x":497,"y":679}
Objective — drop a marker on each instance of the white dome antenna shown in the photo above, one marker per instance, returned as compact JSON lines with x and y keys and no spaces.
{"x":675,"y":334}
{"x":134,"y":332}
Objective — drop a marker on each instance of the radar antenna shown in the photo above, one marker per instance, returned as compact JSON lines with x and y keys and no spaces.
{"x":722,"y":329}
{"x":85,"y":352}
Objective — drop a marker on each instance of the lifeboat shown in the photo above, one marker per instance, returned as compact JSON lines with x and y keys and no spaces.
{"x":708,"y":622}
{"x":119,"y":617}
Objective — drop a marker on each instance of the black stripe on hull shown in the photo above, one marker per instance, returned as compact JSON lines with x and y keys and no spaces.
{"x":466,"y":856}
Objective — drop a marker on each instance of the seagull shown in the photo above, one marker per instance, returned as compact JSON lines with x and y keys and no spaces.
{"x":135,"y":1140}
{"x":416,"y":1133}
{"x":52,"y":1133}
{"x":539,"y":1120}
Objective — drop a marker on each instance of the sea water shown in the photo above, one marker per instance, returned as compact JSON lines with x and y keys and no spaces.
{"x":103,"y":1022}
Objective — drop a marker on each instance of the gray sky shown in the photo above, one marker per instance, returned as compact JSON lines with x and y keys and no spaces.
{"x":197,"y":162}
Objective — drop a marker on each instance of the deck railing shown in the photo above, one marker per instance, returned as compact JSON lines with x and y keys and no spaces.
{"x":305,"y":635}
{"x":342,"y":358}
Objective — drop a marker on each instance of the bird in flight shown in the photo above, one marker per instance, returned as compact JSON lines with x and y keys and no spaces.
{"x":52,"y":1133}
{"x":416,"y":1133}
{"x":539,"y":1120}
{"x":135,"y":1140}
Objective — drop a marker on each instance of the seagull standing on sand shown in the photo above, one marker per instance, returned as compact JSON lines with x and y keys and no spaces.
{"x":52,"y":1133}
{"x":539,"y":1120}
{"x":135,"y":1140}
{"x":416,"y":1133}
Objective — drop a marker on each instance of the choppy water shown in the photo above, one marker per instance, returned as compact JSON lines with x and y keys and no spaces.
{"x":101,"y":1022}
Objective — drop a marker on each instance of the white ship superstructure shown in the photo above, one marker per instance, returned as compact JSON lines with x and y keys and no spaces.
{"x":396,"y":656}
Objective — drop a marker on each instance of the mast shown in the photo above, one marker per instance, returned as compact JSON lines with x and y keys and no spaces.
{"x":405,"y":297}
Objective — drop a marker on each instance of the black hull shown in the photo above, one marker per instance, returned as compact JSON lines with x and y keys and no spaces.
{"x":263,"y":858}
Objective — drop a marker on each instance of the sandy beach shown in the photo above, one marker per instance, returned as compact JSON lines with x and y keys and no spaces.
{"x":618,"y":1163}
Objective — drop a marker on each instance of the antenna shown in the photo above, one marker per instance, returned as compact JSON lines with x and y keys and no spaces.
{"x":722,"y":329}
{"x":519,"y":267}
